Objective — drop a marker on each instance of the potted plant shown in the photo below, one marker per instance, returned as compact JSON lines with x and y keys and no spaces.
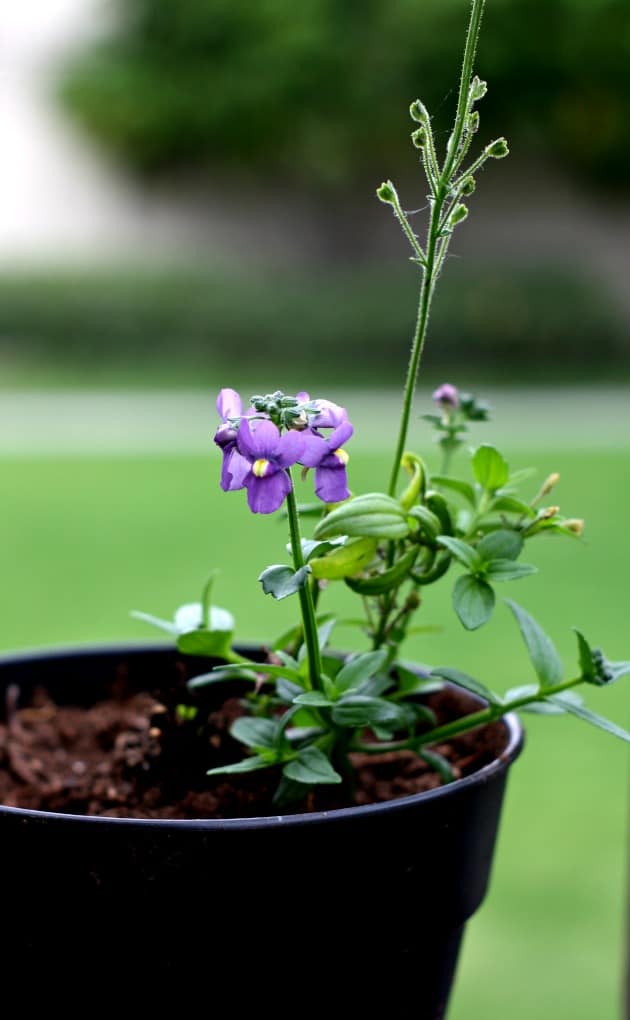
{"x":345,"y":833}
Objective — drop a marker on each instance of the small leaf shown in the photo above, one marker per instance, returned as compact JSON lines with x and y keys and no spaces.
{"x":473,"y":601}
{"x":501,"y":545}
{"x":359,"y":668}
{"x":251,"y":764}
{"x":508,"y":570}
{"x":357,"y":710}
{"x":218,"y":676}
{"x":324,"y":630}
{"x":155,"y":621}
{"x":455,"y":485}
{"x":286,"y":690}
{"x":511,"y":505}
{"x":213,"y":644}
{"x":280,"y":581}
{"x":353,"y":557}
{"x":596,"y":668}
{"x":262,"y":668}
{"x":462,"y":551}
{"x":540,"y":647}
{"x":439,"y":764}
{"x":378,"y":584}
{"x":410,"y":682}
{"x":255,"y":732}
{"x":313,"y":699}
{"x":311,"y":547}
{"x":455,"y":676}
{"x":311,"y":766}
{"x":490,"y":468}
{"x":590,"y":717}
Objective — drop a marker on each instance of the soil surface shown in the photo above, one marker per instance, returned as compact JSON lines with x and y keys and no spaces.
{"x":133,"y":756}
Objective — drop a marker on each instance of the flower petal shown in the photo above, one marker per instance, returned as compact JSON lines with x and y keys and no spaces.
{"x":229,"y":404}
{"x":303,"y":397}
{"x":289,"y":448}
{"x":330,"y":415}
{"x":341,"y":435}
{"x":264,"y":495}
{"x":314,"y":449}
{"x":233,"y":470}
{"x":262,"y":440}
{"x":331,"y":484}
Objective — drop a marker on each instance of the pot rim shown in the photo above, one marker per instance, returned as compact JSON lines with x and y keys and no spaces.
{"x":513,"y":748}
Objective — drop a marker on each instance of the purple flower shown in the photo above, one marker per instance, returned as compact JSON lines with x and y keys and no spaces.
{"x":235,"y":466}
{"x":328,"y":459}
{"x":447,"y":396}
{"x":268,"y":455}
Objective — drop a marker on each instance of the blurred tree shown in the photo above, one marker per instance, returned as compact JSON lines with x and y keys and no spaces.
{"x":316,"y":90}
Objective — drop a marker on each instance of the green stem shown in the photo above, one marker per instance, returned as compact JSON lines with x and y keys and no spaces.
{"x":307,"y":607}
{"x":466,"y":722}
{"x":436,"y":245}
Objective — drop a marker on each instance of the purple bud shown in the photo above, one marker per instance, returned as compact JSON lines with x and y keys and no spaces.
{"x":447,"y":396}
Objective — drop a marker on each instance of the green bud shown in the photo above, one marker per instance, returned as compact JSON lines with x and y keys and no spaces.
{"x":473,"y":122}
{"x":468,"y":186}
{"x":478,"y":89}
{"x":498,"y":149}
{"x":459,"y":214}
{"x":386,"y":193}
{"x":419,"y":138}
{"x":419,"y":112}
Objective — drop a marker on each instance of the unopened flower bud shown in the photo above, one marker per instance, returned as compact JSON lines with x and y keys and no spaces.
{"x":473,"y":122}
{"x":550,"y":483}
{"x":468,"y":186}
{"x":386,"y":192}
{"x":478,"y":89}
{"x":459,"y":214}
{"x":419,"y":138}
{"x":419,"y":112}
{"x":498,"y":149}
{"x":575,"y":526}
{"x":548,"y":512}
{"x":447,"y":395}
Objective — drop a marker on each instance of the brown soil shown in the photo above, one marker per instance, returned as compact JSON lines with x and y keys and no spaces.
{"x":130,"y":756}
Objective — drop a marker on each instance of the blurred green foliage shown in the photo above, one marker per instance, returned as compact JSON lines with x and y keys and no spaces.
{"x":317,"y":91}
{"x":172,"y":324}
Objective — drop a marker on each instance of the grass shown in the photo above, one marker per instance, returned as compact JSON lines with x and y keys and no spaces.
{"x":86,"y":540}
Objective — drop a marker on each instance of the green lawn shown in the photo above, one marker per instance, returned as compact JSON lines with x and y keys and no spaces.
{"x":86,"y":540}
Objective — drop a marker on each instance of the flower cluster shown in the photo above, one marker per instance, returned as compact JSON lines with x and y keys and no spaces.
{"x":276,"y":432}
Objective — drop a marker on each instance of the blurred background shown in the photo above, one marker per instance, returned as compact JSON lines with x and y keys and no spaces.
{"x":187,"y":202}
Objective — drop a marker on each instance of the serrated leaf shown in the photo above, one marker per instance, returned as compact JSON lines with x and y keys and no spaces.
{"x":540,"y":647}
{"x":359,"y":668}
{"x":455,"y":676}
{"x":313,"y":699}
{"x":508,"y":570}
{"x":255,"y":732}
{"x":387,"y":579}
{"x":584,"y":713}
{"x":501,"y":545}
{"x":251,"y":764}
{"x":311,"y":767}
{"x":462,"y":551}
{"x":473,"y":601}
{"x":455,"y":485}
{"x":280,"y":581}
{"x":490,"y":468}
{"x":358,"y":710}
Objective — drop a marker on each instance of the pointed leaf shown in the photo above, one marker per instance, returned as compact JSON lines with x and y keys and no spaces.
{"x":311,"y":766}
{"x":359,"y":668}
{"x":439,"y":764}
{"x":595,"y":667}
{"x":254,"y":732}
{"x":455,"y":485}
{"x":473,"y":601}
{"x":462,"y":551}
{"x":512,"y":505}
{"x":280,"y":581}
{"x":313,"y":699}
{"x":455,"y":676}
{"x":508,"y":570}
{"x":584,"y":713}
{"x":251,"y":764}
{"x":542,"y":652}
{"x":155,"y":621}
{"x":220,"y":675}
{"x":357,"y":710}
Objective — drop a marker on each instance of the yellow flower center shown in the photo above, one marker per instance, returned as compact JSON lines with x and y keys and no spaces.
{"x":341,"y":456}
{"x":259,"y":467}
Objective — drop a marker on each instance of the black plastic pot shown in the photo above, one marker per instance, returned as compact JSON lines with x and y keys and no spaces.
{"x":371,"y":901}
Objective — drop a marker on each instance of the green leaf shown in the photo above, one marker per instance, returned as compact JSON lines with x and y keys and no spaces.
{"x":287,"y":690}
{"x":462,"y":551}
{"x":214,"y":644}
{"x":540,"y":647}
{"x":455,"y":485}
{"x":262,"y":668}
{"x":439,"y":764}
{"x":378,"y":584}
{"x":455,"y":676}
{"x":359,"y":668}
{"x":501,"y":545}
{"x":416,"y":468}
{"x":251,"y":764}
{"x":371,"y":515}
{"x":590,"y":717}
{"x":473,"y":601}
{"x":511,"y":505}
{"x":324,"y":630}
{"x":429,"y":522}
{"x":280,"y":581}
{"x":166,"y":625}
{"x":220,"y":675}
{"x":596,"y":668}
{"x":490,"y":468}
{"x":350,"y":559}
{"x":508,"y":570}
{"x":255,"y":732}
{"x":313,"y":699}
{"x":410,"y":682}
{"x":357,"y":710}
{"x":311,"y":766}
